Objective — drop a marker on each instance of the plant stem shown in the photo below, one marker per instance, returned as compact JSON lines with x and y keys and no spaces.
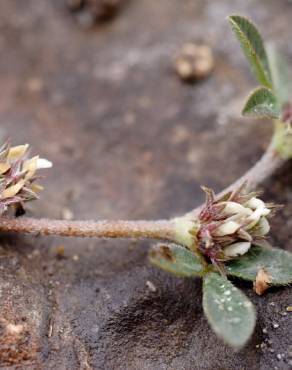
{"x":282,"y":140}
{"x":256,"y":175}
{"x":161,"y":229}
{"x":261,"y":171}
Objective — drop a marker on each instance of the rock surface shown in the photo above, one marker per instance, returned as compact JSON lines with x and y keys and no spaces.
{"x":129,"y":140}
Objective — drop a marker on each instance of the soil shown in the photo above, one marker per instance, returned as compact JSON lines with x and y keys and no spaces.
{"x":89,"y":12}
{"x":130,"y":140}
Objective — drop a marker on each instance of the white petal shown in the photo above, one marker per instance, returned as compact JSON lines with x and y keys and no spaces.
{"x":255,"y":217}
{"x":237,"y":249}
{"x":266,"y":211}
{"x":255,"y":203}
{"x":43,"y":163}
{"x":264,"y":227}
{"x":227,"y":228}
{"x":233,"y":208}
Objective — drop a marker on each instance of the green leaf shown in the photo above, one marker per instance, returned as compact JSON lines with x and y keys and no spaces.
{"x":176,"y":260}
{"x":262,"y":103}
{"x":229,"y":312}
{"x":253,"y":48}
{"x":276,"y":262}
{"x":280,"y":74}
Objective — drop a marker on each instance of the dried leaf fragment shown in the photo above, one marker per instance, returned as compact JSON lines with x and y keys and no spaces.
{"x":263,"y":280}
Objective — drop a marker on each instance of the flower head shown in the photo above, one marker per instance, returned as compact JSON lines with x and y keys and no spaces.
{"x":18,"y":176}
{"x":228,"y":226}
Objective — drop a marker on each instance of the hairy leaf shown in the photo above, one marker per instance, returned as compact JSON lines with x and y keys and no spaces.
{"x":280,"y":74}
{"x":276,"y":262}
{"x":262,"y":103}
{"x":229,"y":312}
{"x":253,"y":48}
{"x":176,"y":260}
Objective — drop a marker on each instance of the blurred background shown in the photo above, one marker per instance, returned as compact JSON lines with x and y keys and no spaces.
{"x":94,"y":86}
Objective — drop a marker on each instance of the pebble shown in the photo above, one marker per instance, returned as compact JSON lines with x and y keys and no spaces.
{"x":75,"y":257}
{"x":34,"y":85}
{"x":275,"y":325}
{"x":279,"y":356}
{"x":60,"y":251}
{"x":151,"y":286}
{"x":194,"y":62}
{"x":67,"y":214}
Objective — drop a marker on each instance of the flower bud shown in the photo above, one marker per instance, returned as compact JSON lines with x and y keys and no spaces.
{"x":227,"y":228}
{"x":255,"y":203}
{"x":233,"y":208}
{"x":237,"y":249}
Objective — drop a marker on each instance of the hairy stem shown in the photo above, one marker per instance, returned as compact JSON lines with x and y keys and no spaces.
{"x":262,"y":170}
{"x":161,"y":229}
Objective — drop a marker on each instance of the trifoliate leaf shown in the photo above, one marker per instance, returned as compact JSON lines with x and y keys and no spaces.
{"x":262,"y":103}
{"x":229,"y":312}
{"x":176,"y":260}
{"x":253,"y":48}
{"x":276,"y":262}
{"x":280,"y":74}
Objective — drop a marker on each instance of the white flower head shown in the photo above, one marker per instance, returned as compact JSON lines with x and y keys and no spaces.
{"x":18,"y":174}
{"x":230,"y":225}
